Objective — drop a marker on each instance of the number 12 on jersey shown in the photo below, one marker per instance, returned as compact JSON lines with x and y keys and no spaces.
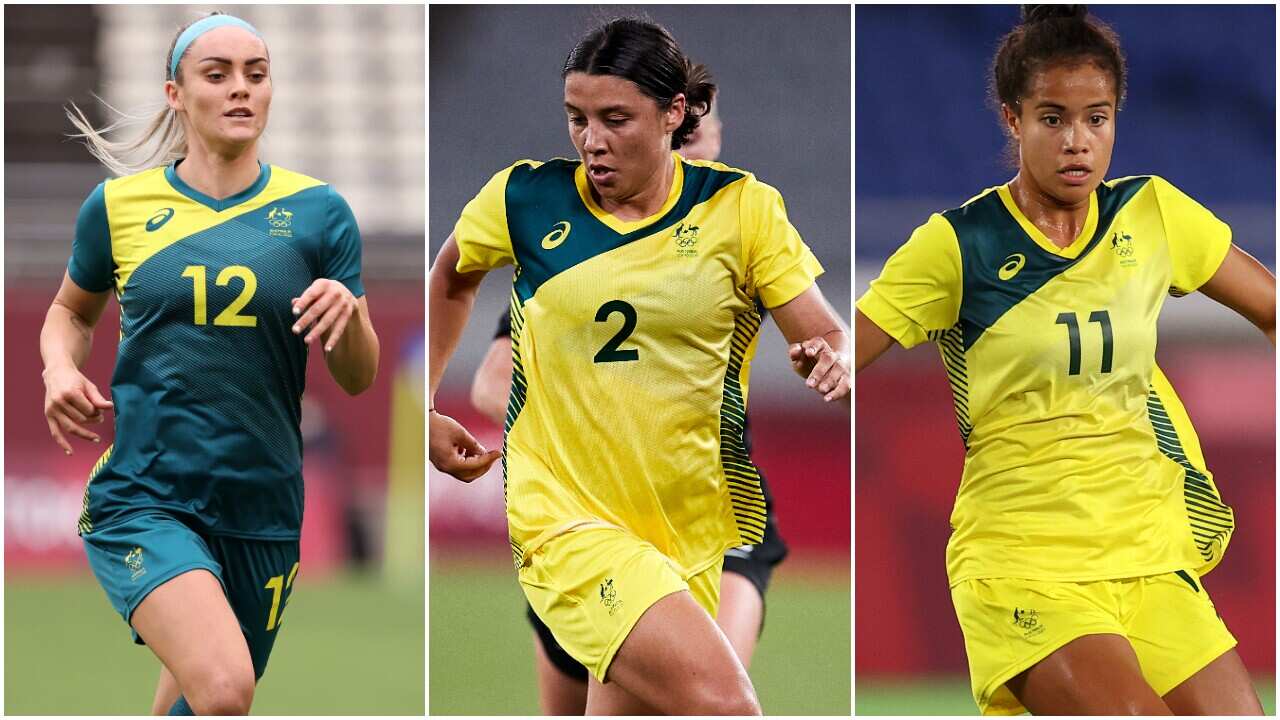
{"x":1073,"y":338}
{"x":230,"y":315}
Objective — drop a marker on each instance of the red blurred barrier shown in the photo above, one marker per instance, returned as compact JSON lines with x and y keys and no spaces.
{"x":908,"y":462}
{"x":347,"y":439}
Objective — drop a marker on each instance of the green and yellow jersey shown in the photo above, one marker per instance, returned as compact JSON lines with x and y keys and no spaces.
{"x":209,"y":375}
{"x":1080,"y":462}
{"x":632,"y":345}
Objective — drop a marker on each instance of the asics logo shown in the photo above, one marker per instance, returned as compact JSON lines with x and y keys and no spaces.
{"x":557,"y":236}
{"x":155,"y":222}
{"x":1011,"y":266}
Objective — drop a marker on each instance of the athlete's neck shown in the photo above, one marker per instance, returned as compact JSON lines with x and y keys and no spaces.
{"x":646,"y":201}
{"x":219,"y":175}
{"x":1060,"y":222}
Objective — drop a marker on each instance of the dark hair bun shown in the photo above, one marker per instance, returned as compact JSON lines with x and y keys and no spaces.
{"x":1032,"y":14}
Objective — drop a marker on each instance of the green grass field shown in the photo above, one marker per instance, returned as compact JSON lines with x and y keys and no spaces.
{"x":482,"y":652}
{"x":348,"y":646}
{"x":950,"y":696}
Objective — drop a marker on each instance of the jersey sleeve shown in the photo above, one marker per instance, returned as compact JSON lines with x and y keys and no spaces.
{"x":779,"y":265}
{"x":91,"y":266}
{"x":1198,"y":241}
{"x":919,"y":290}
{"x":342,"y":246}
{"x":484,"y":242}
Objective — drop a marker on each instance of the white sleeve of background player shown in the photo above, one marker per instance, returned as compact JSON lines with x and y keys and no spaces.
{"x":919,"y":290}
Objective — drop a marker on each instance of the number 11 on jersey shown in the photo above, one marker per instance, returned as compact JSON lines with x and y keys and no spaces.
{"x":1073,"y":339}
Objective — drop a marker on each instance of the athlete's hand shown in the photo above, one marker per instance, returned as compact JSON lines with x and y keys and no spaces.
{"x":455,"y":451}
{"x":323,"y":311}
{"x":824,"y":369}
{"x":70,"y":401}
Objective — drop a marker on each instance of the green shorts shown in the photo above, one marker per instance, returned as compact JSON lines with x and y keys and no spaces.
{"x":134,"y":557}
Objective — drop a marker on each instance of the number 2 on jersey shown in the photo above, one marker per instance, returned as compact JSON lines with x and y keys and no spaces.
{"x":231,"y":315}
{"x":610,"y":351}
{"x":1073,"y":338}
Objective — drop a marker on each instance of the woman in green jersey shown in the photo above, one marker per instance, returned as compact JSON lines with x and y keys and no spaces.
{"x":1085,"y":516}
{"x":226,"y":271}
{"x":633,"y":322}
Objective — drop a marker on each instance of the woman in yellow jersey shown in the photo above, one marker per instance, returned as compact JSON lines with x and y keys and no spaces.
{"x":226,"y":271}
{"x":634,"y":319}
{"x":1085,"y":516}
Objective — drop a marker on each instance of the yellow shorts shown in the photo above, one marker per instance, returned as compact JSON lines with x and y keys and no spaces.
{"x":590,"y":586}
{"x":1010,"y":625}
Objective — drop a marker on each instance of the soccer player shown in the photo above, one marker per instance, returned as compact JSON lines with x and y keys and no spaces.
{"x":633,"y":323}
{"x":227,"y":271}
{"x":562,"y":682}
{"x":1085,"y":517}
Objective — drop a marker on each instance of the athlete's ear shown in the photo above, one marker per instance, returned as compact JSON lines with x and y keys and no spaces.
{"x":674,"y":115}
{"x":171,"y":96}
{"x":1012,"y":121}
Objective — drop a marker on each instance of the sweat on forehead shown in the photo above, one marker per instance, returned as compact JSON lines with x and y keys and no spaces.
{"x":198,"y":28}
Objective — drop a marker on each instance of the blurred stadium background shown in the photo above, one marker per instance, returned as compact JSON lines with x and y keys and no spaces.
{"x":496,"y":97}
{"x":1200,"y":112}
{"x":348,"y":108}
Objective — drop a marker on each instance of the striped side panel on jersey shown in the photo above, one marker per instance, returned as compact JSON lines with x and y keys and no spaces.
{"x":85,"y":524}
{"x":951,"y":344}
{"x":1211,"y":520}
{"x":515,"y":402}
{"x":743,"y":477}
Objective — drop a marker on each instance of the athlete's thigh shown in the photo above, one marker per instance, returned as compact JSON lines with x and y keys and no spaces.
{"x":1222,"y":687}
{"x":1091,"y":675}
{"x":1184,"y":647}
{"x":1012,"y":624}
{"x":591,"y":586}
{"x":558,"y":693}
{"x":259,"y":576}
{"x":189,"y":625}
{"x":740,"y":614}
{"x":677,"y":660}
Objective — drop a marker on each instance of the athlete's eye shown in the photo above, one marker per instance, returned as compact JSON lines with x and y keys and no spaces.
{"x":214,"y":76}
{"x":1051,"y":120}
{"x":577,"y":120}
{"x":616,"y":121}
{"x":1097,"y":119}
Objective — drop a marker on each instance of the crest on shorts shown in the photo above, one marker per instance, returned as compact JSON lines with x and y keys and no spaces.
{"x":1028,"y":621}
{"x":609,"y":596}
{"x":133,"y":561}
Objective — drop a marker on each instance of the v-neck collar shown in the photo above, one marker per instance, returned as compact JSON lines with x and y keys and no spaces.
{"x":623,"y":227}
{"x":264,"y":176}
{"x":1069,"y":252}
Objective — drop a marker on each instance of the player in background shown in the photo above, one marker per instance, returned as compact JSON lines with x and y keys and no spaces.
{"x":562,"y":681}
{"x":226,"y":271}
{"x":634,"y":321}
{"x":1085,"y":516}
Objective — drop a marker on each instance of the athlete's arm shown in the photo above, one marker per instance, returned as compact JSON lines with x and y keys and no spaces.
{"x":818,"y":342}
{"x":70,"y":399}
{"x":1246,"y":286}
{"x":869,"y":341}
{"x":491,"y":386}
{"x":451,"y":295}
{"x":325,"y":311}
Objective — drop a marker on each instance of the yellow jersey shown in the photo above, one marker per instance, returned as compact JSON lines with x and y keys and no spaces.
{"x":1080,"y":462}
{"x":631,"y":351}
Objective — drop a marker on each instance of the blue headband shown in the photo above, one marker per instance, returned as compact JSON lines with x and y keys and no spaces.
{"x":198,"y":28}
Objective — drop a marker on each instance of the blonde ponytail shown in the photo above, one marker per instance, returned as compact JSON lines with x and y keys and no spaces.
{"x":163,"y":141}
